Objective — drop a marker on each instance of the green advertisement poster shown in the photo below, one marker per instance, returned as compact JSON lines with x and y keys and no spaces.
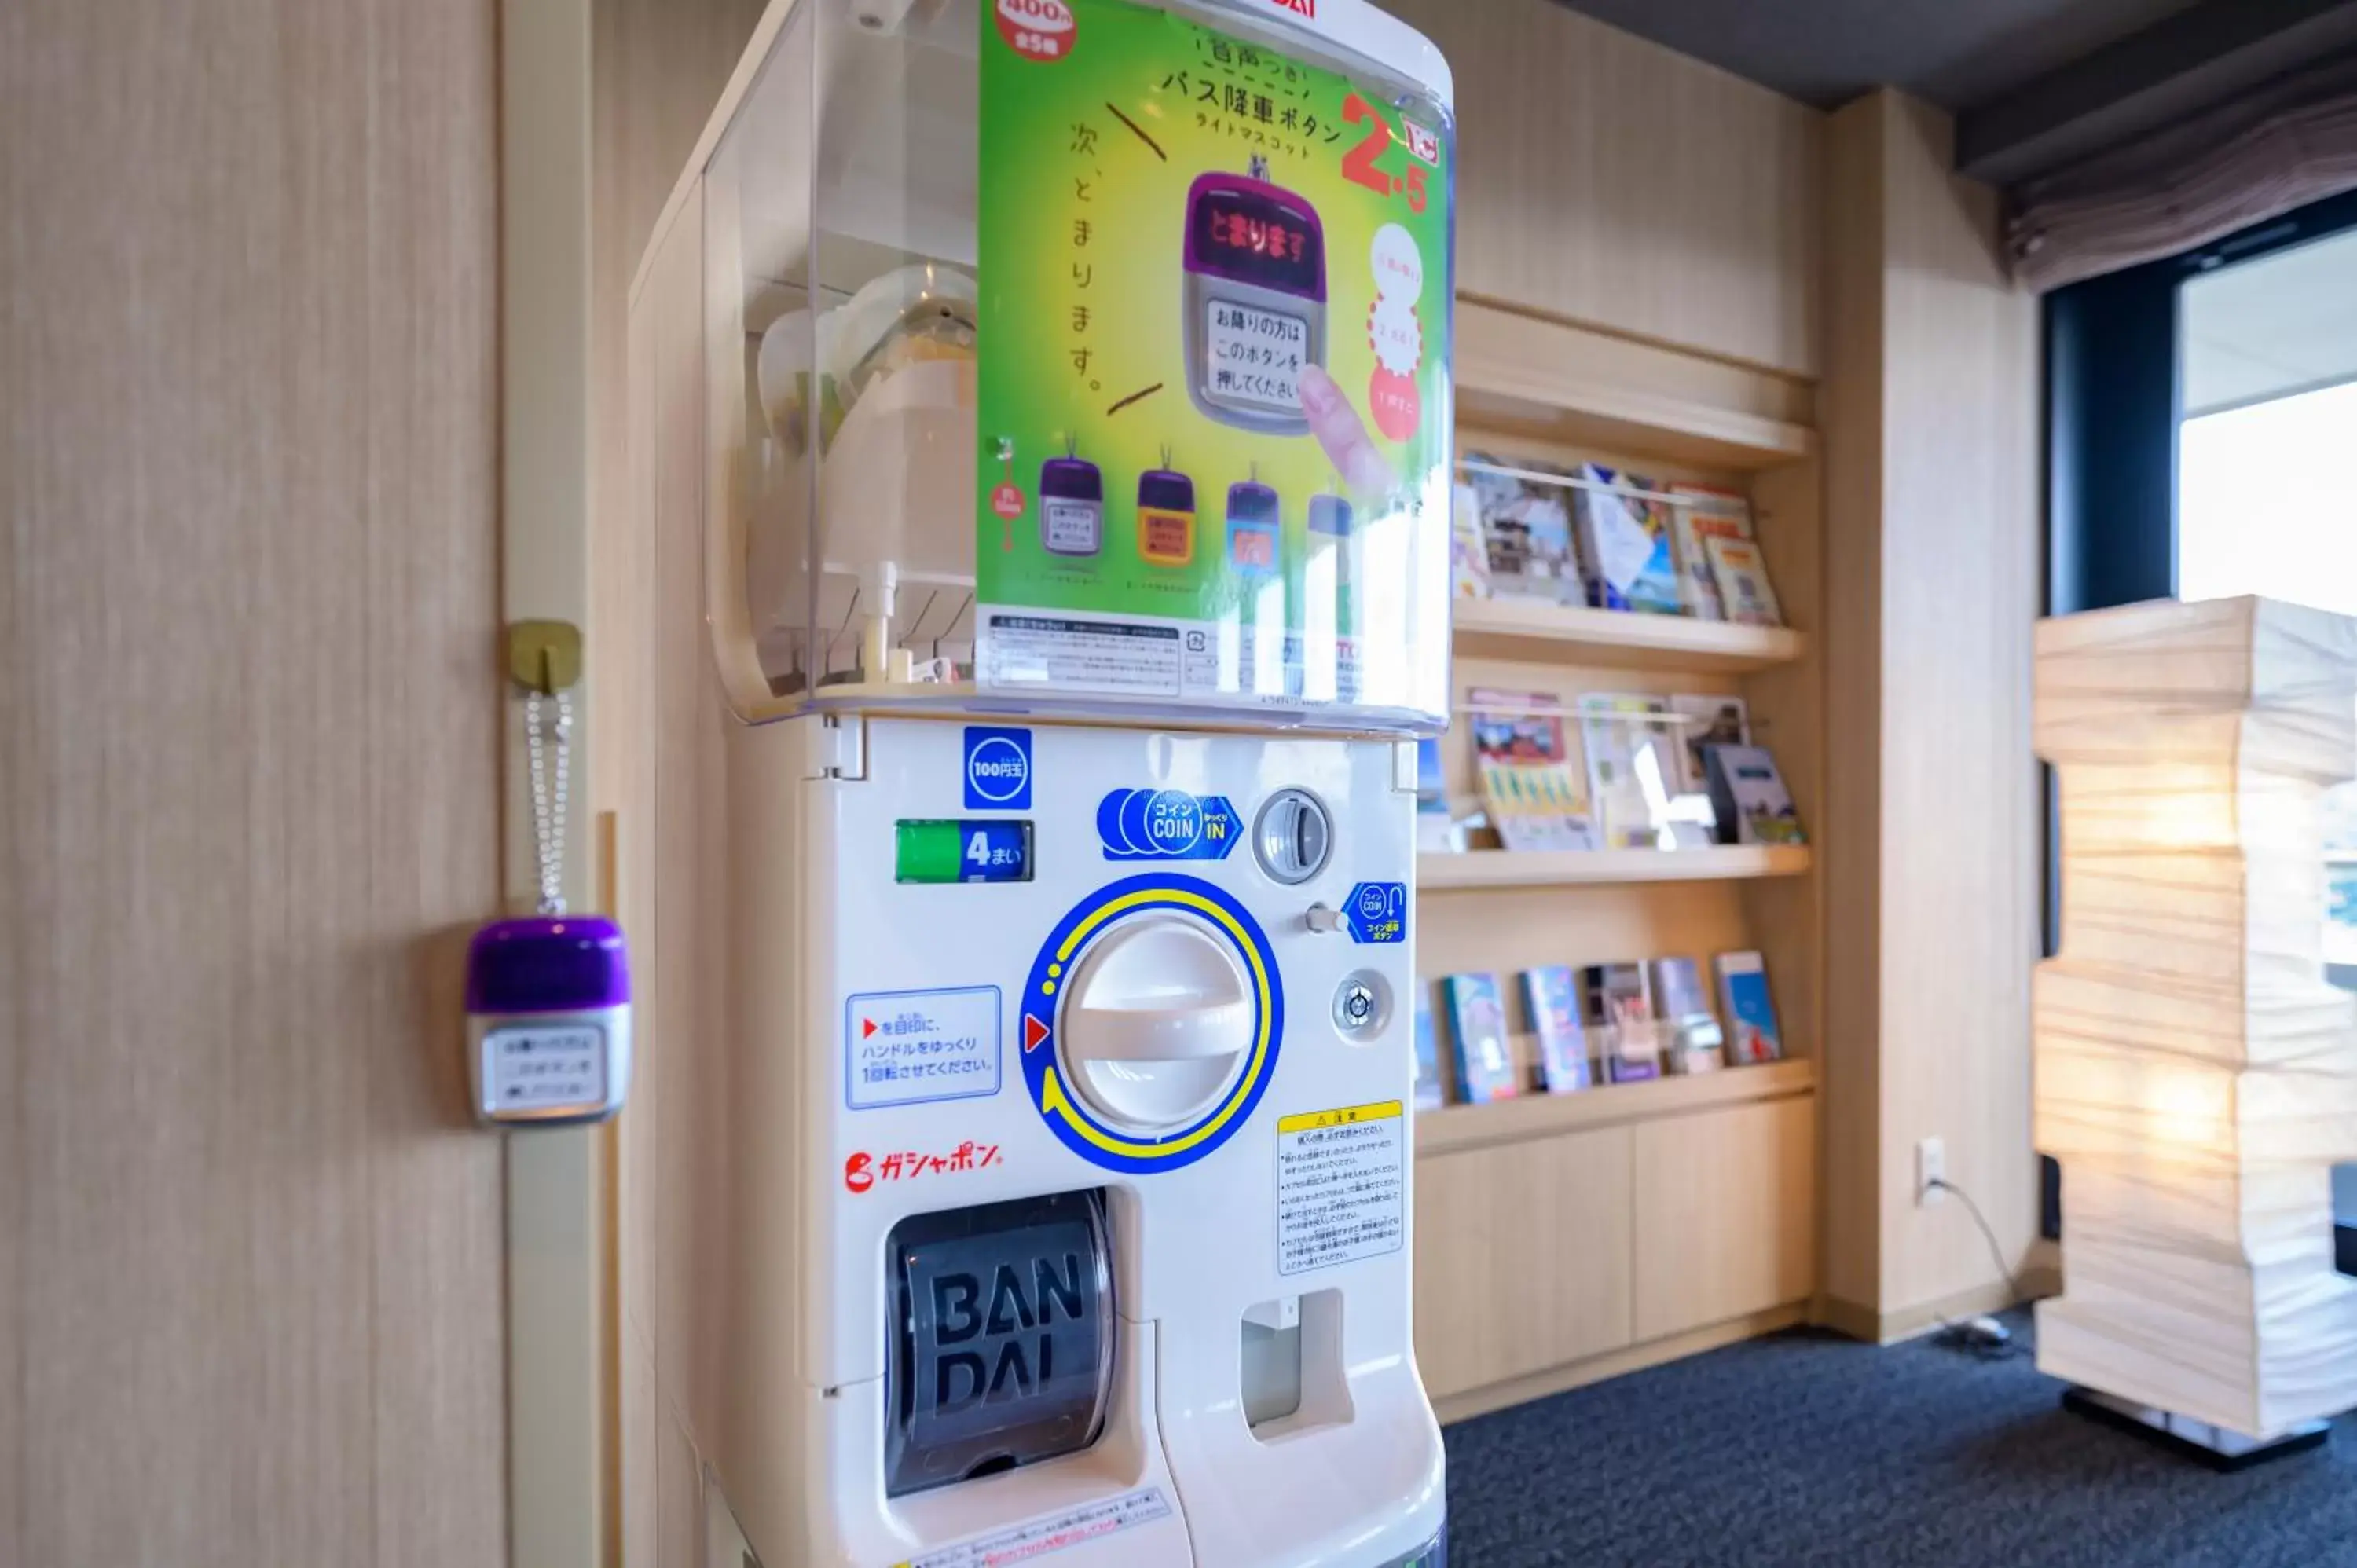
{"x":1213,"y":397}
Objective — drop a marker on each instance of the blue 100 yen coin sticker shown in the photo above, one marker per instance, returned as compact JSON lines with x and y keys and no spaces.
{"x":997,"y":769}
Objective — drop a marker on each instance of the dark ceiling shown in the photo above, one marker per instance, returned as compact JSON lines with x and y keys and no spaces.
{"x":1957,"y":53}
{"x":2033,"y":83}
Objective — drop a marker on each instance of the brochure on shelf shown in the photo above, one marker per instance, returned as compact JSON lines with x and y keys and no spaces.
{"x":1698,"y":513}
{"x":1625,"y":547}
{"x":1742,"y":572}
{"x":1525,"y":524}
{"x":1617,"y":1002}
{"x":1430,"y":1080}
{"x":1692,"y":1041}
{"x":1634,"y":773}
{"x":1753,"y":1033}
{"x":1551,"y":995}
{"x":1523,"y":763}
{"x":1749,"y":798}
{"x":1477,"y":1024}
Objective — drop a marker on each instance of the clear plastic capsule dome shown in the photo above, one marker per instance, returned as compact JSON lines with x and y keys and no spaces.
{"x":1082,"y":354}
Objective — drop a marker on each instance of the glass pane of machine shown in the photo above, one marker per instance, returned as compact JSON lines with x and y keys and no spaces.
{"x":1072,"y":516}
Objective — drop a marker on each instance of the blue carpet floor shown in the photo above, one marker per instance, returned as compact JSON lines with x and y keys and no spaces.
{"x":1808,"y":1448}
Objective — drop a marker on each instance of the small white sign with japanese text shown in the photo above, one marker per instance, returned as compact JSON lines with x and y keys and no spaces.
{"x":904,"y":1047}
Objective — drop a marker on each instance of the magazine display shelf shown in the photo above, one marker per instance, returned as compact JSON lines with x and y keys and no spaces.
{"x":1539,"y":633}
{"x":1562,"y":1239}
{"x":1456,"y":1127}
{"x":1571,"y":868}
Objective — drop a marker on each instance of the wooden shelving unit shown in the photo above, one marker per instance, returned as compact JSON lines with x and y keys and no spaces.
{"x":1565,"y":1238}
{"x":1561,"y":383}
{"x":1576,"y":868}
{"x":1451,"y":1128}
{"x":1535,"y":630}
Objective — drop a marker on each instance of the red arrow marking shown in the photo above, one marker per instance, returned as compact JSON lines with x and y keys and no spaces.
{"x":866,"y":1028}
{"x":1034,"y":1031}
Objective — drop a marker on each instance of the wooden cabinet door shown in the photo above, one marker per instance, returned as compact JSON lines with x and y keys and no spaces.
{"x":1522,"y":1258}
{"x":1726,"y":1214}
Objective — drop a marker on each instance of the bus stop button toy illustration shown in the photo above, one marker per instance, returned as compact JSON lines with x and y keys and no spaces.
{"x":1255,"y":299}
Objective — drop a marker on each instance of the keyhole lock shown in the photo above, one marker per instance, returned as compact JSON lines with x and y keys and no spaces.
{"x":1362,"y":1005}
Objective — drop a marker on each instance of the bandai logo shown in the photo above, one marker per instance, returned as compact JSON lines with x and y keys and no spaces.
{"x":998,"y":770}
{"x":1307,"y":8}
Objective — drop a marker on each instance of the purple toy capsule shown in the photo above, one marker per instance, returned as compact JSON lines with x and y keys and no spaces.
{"x":1071,"y":507}
{"x":548,"y":1019}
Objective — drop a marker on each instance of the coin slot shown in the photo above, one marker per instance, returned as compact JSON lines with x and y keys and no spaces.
{"x":1293,"y":836}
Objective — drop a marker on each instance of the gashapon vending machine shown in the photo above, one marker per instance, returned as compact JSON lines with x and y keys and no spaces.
{"x":1070,"y":847}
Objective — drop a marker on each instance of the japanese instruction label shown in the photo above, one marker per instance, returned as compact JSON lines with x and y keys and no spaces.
{"x":545,"y":1067}
{"x":1256,"y":355}
{"x":1341,"y":1186}
{"x":1216,"y":279}
{"x":902,"y":1047}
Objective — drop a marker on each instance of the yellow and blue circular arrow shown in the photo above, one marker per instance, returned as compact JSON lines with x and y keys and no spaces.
{"x":1069,"y":1119}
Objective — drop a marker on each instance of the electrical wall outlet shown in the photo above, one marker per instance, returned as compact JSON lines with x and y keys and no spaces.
{"x":1931,"y":1167}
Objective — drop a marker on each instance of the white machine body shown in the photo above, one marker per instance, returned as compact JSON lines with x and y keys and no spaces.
{"x":1258,"y":1245}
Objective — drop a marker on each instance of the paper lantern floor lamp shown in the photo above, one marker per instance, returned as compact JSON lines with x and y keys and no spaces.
{"x":2196,"y":1075}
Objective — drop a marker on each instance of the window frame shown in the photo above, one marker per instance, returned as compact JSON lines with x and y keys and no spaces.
{"x":2114,"y":401}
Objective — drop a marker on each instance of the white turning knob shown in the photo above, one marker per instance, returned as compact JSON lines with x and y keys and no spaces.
{"x":1156,"y":1019}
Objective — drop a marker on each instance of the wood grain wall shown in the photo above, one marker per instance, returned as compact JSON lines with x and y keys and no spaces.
{"x":1850,"y":409}
{"x":658,"y":67}
{"x":1933,"y":897}
{"x":249,"y":1249}
{"x":1605,"y":179}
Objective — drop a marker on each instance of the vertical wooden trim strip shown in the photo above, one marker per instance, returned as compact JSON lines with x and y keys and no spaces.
{"x":608,"y":874}
{"x":560,"y":1381}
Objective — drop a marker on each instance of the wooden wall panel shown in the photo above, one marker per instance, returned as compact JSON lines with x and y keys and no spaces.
{"x":659,"y":66}
{"x":1961,"y":813}
{"x":1610,"y":180}
{"x":1849,"y":865}
{"x":1932,"y":535}
{"x":250,"y":1312}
